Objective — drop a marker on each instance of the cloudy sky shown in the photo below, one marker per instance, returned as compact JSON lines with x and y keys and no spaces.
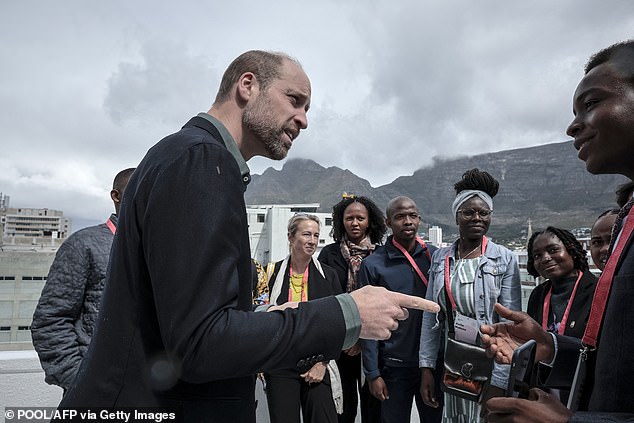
{"x":87,"y":87}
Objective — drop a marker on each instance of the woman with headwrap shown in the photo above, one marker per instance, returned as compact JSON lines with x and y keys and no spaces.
{"x":357,"y":227}
{"x":481,"y":273}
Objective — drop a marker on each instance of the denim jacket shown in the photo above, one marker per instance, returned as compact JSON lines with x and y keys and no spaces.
{"x":498,"y":280}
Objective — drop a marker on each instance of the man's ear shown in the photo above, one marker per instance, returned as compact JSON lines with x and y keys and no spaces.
{"x":247,"y":85}
{"x":388,"y":222}
{"x":116,"y":196}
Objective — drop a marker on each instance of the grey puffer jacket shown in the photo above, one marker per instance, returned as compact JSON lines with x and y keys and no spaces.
{"x":65,"y":315}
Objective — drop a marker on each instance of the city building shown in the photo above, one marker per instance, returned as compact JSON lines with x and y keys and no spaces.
{"x":4,"y":202}
{"x":22,"y":276}
{"x":30,"y":239}
{"x":435,"y":236}
{"x":528,"y":282}
{"x":29,"y":226}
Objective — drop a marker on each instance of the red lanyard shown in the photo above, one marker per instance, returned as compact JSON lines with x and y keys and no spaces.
{"x":111,"y":226}
{"x":600,"y":299}
{"x":411,"y":259}
{"x":447,"y":276}
{"x":304,"y":283}
{"x":564,"y":320}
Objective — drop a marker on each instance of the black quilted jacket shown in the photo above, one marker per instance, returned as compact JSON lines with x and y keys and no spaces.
{"x":65,"y":315}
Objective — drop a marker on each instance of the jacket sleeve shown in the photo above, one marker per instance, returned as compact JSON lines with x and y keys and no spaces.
{"x":595,"y":417}
{"x":200,"y":277}
{"x":430,"y":333}
{"x":369,"y":349}
{"x":561,"y":374}
{"x":510,"y":289}
{"x":53,"y":328}
{"x":510,"y":297}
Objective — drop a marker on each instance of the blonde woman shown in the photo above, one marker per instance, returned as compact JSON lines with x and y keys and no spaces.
{"x":314,"y":386}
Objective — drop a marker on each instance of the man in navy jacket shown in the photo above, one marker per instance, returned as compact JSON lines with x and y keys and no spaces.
{"x":175,"y":327}
{"x":391,"y":366}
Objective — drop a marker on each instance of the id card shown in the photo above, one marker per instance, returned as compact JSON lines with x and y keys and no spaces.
{"x":466,"y":328}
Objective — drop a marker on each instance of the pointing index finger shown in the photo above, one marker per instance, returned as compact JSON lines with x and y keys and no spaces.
{"x":410,"y":301}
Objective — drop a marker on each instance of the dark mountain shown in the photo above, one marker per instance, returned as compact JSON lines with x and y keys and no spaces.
{"x":304,"y":181}
{"x":547,"y":184}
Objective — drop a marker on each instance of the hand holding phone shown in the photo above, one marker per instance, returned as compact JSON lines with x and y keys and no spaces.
{"x":521,"y":373}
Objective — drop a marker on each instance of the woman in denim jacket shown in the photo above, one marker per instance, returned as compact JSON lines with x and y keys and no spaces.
{"x":481,"y":274}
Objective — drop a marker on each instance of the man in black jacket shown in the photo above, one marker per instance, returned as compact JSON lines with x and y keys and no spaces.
{"x":391,"y":366}
{"x":65,"y":315}
{"x":603,"y":129}
{"x":176,"y":327}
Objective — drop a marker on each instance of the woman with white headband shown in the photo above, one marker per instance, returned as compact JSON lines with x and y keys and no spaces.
{"x":480,"y":274}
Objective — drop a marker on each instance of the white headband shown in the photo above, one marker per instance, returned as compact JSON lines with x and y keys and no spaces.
{"x":468,"y":194}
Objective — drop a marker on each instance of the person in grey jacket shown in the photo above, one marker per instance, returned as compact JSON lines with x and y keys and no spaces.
{"x":481,"y":273}
{"x":65,"y":315}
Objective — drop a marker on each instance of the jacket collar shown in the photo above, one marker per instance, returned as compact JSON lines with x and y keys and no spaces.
{"x":393,"y":252}
{"x":492,"y":251}
{"x":215,"y":128}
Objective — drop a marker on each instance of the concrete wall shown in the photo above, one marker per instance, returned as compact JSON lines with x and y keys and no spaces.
{"x":22,"y":277}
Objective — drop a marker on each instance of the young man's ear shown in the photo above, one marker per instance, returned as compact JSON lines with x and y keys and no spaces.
{"x":116,"y":196}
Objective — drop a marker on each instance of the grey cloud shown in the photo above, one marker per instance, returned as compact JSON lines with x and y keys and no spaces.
{"x":167,"y":82}
{"x":87,"y":88}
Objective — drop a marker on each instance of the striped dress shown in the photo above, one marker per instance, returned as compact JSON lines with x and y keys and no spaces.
{"x":459,"y":410}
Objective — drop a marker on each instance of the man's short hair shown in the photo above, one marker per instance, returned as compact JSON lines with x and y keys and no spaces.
{"x":622,"y":52}
{"x":624,"y":193}
{"x":265,"y":65}
{"x":121,"y":180}
{"x":391,"y":205}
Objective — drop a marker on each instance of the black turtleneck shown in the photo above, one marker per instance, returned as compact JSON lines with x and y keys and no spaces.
{"x":561,"y":291}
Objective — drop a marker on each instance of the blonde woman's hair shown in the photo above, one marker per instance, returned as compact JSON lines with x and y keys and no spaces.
{"x":294,"y":221}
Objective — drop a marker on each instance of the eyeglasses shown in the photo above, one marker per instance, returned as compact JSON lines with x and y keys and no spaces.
{"x":470,"y":213}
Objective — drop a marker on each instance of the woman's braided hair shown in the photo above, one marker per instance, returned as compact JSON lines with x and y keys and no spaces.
{"x":477,"y":179}
{"x":574,"y":248}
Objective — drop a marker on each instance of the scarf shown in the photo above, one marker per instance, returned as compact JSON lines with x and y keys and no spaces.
{"x":354,"y":255}
{"x":276,"y":290}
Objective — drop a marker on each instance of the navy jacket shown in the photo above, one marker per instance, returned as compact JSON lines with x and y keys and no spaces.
{"x":175,"y":326}
{"x":389,"y":268}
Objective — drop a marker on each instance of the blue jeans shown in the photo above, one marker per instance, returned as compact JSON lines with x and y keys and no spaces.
{"x":403,"y":385}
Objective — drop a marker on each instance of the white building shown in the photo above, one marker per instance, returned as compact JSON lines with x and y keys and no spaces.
{"x":30,"y":239}
{"x":27,"y":226}
{"x":267,"y":229}
{"x":435,"y":236}
{"x":22,"y":277}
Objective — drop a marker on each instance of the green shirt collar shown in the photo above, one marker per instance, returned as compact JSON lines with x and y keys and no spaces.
{"x":231,"y":145}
